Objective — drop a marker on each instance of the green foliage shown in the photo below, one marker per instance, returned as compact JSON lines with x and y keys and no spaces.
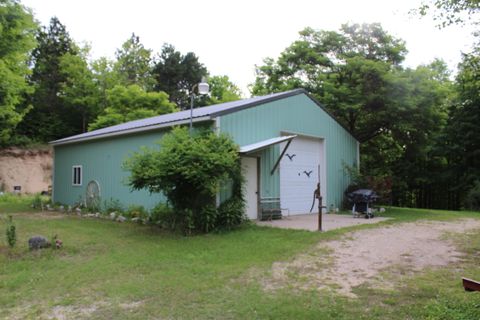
{"x":11,"y":233}
{"x":112,"y":205}
{"x":79,"y":92}
{"x":176,"y":74}
{"x":50,"y":118}
{"x":163,"y":215}
{"x":448,"y":12}
{"x":222,"y":90}
{"x":17,"y":39}
{"x":351,"y":71}
{"x":452,"y":309}
{"x":397,"y":114}
{"x":461,"y":144}
{"x":131,"y":103}
{"x":133,"y":64}
{"x":136,"y":211}
{"x":472,"y":198}
{"x":188,"y":171}
{"x":37,"y":201}
{"x":231,"y":213}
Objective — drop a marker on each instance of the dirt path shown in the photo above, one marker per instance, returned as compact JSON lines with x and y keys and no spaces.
{"x":362,"y":256}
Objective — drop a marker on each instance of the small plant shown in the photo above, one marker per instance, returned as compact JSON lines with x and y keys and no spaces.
{"x":112,"y":205}
{"x":11,"y":233}
{"x":164,"y":216}
{"x":135,"y":211}
{"x":37,"y":201}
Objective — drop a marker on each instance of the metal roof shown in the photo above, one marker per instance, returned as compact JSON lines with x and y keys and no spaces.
{"x":182,"y":117}
{"x":263,"y":144}
{"x":203,"y":113}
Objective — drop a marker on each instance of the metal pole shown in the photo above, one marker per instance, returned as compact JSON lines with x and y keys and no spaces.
{"x":320,"y":213}
{"x":191,"y":113}
{"x":319,"y":201}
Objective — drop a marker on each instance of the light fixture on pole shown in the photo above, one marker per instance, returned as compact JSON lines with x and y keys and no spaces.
{"x":203,"y":88}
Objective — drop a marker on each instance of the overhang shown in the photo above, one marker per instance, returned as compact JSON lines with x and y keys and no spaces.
{"x":250,"y":148}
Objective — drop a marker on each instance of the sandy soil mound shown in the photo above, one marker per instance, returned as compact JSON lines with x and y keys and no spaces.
{"x":363,"y":255}
{"x":29,"y":169}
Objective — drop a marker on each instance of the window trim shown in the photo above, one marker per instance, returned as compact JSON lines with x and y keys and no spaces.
{"x":78,"y":166}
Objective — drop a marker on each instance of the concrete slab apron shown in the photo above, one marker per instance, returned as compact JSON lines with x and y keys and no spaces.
{"x":310,"y":222}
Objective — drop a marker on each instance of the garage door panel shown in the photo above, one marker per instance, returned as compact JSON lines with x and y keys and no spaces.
{"x":299,"y":174}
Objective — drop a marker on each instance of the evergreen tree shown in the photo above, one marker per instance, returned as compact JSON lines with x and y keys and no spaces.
{"x":49,"y":119}
{"x":133,"y":65}
{"x":176,"y":74}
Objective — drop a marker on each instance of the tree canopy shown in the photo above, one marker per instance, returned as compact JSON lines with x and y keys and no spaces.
{"x":130,"y":103}
{"x":17,"y":39}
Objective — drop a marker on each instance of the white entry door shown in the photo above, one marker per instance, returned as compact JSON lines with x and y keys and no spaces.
{"x":249,"y":166}
{"x":299,"y":174}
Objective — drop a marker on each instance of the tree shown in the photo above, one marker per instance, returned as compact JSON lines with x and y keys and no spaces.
{"x":79,"y":92}
{"x":133,"y":64}
{"x":462,"y":135}
{"x":176,"y":74}
{"x":448,"y":12}
{"x":105,"y":78}
{"x":188,"y":170}
{"x":17,"y":39}
{"x":131,"y":103}
{"x":222,"y":90}
{"x":48,"y":120}
{"x":352,"y":72}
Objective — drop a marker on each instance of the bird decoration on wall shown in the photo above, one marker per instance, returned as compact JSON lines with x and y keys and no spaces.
{"x":308,"y":173}
{"x":290,"y":156}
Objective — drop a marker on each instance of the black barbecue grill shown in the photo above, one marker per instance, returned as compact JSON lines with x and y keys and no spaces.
{"x":362,"y":200}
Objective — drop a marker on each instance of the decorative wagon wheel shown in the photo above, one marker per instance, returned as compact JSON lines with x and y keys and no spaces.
{"x":93,"y":195}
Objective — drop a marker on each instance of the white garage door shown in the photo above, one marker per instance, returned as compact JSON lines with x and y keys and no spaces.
{"x":299,"y":174}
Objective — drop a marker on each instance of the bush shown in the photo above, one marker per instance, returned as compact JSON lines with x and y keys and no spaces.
{"x":231,"y":213}
{"x":472,"y":198}
{"x":188,"y":171}
{"x":135,"y":211}
{"x":112,"y":205}
{"x":164,"y":216}
{"x":11,"y":233}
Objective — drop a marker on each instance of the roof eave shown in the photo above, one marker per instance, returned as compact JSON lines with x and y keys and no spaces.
{"x":129,"y":131}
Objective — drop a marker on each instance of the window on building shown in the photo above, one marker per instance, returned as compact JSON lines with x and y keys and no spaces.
{"x":77,"y":175}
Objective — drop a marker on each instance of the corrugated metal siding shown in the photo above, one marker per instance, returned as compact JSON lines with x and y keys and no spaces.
{"x":102,"y":161}
{"x":296,"y":114}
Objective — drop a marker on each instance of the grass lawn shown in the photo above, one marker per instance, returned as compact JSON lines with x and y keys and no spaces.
{"x":117,"y":271}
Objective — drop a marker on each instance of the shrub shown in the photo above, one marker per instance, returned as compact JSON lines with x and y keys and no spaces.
{"x":135,"y":211}
{"x":188,"y":170}
{"x":231,"y":213}
{"x":112,"y":205}
{"x":11,"y":233}
{"x":164,"y":216}
{"x":472,"y":198}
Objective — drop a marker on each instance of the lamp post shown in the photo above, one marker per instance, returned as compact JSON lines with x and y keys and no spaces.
{"x":203,"y":88}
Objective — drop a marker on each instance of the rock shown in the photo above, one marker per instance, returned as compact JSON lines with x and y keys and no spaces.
{"x":121,"y":219}
{"x":61,"y":208}
{"x":38,"y":242}
{"x":78,"y":211}
{"x":136,"y":219}
{"x":90,"y":215}
{"x":69,"y":209}
{"x":97,"y":215}
{"x":113,"y":215}
{"x":382,"y":209}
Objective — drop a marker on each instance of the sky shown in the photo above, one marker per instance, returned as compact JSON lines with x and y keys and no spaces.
{"x":231,"y":37}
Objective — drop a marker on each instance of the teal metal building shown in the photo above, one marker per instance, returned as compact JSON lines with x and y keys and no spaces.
{"x":288,"y":143}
